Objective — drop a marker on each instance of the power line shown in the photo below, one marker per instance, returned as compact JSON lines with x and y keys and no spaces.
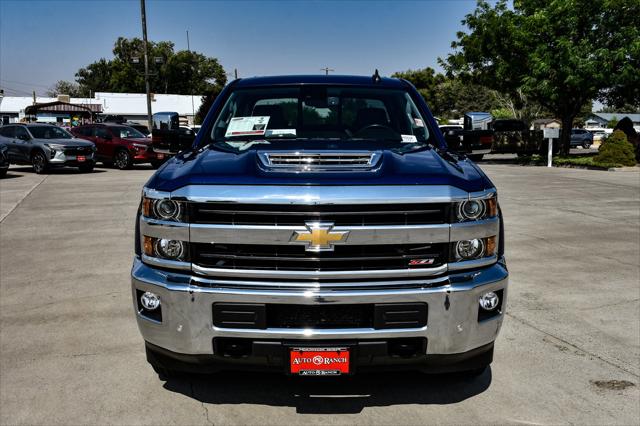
{"x":16,"y":91}
{"x":22,"y":83}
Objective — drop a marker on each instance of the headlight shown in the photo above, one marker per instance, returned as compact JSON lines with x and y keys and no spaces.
{"x":54,"y":146}
{"x":165,"y":249}
{"x":476,"y":209}
{"x":163,"y":209}
{"x":474,"y":249}
{"x":469,"y":249}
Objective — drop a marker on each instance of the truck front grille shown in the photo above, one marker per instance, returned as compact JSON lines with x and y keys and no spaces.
{"x":340,"y":215}
{"x":295,"y":258}
{"x":318,"y":161}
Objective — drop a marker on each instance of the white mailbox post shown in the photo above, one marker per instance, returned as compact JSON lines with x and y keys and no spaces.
{"x":551,"y":134}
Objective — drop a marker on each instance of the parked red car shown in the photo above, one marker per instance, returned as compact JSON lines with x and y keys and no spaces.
{"x":119,"y":145}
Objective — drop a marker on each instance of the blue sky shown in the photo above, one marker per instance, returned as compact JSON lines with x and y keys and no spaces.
{"x":45,"y":41}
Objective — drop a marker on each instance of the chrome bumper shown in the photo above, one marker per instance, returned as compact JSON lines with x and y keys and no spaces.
{"x":187,"y":327}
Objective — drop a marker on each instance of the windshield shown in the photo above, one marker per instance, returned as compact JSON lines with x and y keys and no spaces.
{"x":127,"y":132}
{"x":49,"y":132}
{"x":341,"y":116}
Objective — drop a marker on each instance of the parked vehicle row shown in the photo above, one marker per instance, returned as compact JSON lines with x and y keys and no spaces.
{"x":119,"y":145}
{"x":46,"y":146}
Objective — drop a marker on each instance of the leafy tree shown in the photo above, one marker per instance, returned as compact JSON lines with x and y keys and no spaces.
{"x":612,"y":123}
{"x":560,"y":53}
{"x":183,"y":72}
{"x":426,"y":80}
{"x":63,"y":87}
{"x":448,"y":97}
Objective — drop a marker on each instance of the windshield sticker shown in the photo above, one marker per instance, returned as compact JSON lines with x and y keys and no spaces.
{"x":280,"y":132}
{"x":243,"y":126}
{"x":409,"y":138}
{"x":419,"y":122}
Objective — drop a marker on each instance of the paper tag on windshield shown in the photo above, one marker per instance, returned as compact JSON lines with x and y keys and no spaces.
{"x":280,"y":132}
{"x":409,"y":138}
{"x":419,"y":122}
{"x":243,"y":126}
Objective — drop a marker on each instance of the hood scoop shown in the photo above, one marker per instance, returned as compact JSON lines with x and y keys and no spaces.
{"x":314,"y":161}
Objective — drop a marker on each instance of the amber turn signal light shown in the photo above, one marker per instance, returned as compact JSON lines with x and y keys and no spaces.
{"x":148,"y":246}
{"x":492,"y":207}
{"x":490,"y":246}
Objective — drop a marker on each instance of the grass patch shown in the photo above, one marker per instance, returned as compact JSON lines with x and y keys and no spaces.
{"x":581,"y":161}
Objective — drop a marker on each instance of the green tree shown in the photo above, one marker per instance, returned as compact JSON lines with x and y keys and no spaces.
{"x":426,"y":80}
{"x":182,"y":72}
{"x":612,"y":123}
{"x":448,"y":97}
{"x":63,"y":87}
{"x":562,"y":54}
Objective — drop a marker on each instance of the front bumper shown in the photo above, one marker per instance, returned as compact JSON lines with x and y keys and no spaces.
{"x":147,"y":156}
{"x":453,"y":325}
{"x":61,"y":159}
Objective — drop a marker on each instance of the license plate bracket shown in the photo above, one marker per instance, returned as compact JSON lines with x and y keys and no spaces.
{"x":320,"y":361}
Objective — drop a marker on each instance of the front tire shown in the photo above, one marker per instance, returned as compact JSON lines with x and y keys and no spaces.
{"x":123,"y":159}
{"x":39,"y":162}
{"x":586,"y":145}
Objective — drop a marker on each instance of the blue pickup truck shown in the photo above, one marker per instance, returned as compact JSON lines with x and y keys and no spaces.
{"x":319,"y":225}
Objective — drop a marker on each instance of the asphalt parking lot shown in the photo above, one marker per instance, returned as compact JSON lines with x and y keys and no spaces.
{"x":569,"y":351}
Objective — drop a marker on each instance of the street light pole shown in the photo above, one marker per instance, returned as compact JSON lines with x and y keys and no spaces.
{"x":193,"y":109}
{"x":146,"y":61}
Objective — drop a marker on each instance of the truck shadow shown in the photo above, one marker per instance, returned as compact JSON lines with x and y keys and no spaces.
{"x":343,"y":395}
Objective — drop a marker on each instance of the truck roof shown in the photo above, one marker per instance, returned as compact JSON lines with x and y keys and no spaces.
{"x":350,"y":80}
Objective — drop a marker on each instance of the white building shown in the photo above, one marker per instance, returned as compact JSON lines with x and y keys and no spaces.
{"x":132,"y":106}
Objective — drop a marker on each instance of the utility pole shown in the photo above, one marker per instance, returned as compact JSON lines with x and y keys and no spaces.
{"x":326,"y":70}
{"x":146,"y":61}
{"x":193,"y":109}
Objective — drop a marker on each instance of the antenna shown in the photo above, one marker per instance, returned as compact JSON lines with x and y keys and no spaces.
{"x":376,"y":77}
{"x":326,"y":70}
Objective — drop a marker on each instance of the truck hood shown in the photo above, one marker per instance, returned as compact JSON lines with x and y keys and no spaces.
{"x":212,"y":167}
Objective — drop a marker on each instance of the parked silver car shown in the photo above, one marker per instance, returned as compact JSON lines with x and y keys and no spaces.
{"x":45,"y":146}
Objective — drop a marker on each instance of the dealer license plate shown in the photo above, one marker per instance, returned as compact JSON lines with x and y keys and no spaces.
{"x":81,"y":158}
{"x":319,"y":361}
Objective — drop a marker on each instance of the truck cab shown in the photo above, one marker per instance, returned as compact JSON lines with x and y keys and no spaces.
{"x":319,"y":225}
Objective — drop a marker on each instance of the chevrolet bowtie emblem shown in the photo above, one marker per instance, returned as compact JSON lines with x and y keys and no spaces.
{"x":319,"y":237}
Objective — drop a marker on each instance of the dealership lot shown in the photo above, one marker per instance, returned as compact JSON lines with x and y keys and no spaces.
{"x":70,"y":352}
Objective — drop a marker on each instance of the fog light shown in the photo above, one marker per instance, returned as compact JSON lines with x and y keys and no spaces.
{"x":150,"y":301}
{"x":489,"y":301}
{"x":169,"y":249}
{"x":469,"y":249}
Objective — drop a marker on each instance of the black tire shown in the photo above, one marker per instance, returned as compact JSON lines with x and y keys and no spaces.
{"x":86,"y":168}
{"x":122,"y":159}
{"x":39,"y":162}
{"x":476,"y":157}
{"x":3,"y":172}
{"x":586,"y":145}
